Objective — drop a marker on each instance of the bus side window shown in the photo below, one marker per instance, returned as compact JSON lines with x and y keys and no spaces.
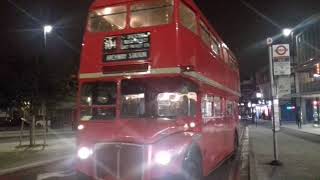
{"x":207,"y":106}
{"x":225,"y":55}
{"x":204,"y":33}
{"x":188,"y":18}
{"x":215,"y":45}
{"x":217,"y":106}
{"x":230,"y":111}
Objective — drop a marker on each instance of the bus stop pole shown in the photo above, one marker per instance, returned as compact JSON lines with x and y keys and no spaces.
{"x":275,"y":161}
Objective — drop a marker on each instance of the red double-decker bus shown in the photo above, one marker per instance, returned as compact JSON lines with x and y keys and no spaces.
{"x":158,"y":92}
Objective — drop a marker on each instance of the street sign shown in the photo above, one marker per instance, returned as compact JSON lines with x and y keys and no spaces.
{"x":284,"y":86}
{"x":281,"y":59}
{"x":281,"y":51}
{"x":281,"y":66}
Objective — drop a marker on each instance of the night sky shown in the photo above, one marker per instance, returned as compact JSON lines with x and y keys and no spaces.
{"x":240,"y":27}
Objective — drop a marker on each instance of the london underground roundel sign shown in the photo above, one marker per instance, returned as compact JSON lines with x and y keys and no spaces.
{"x":281,"y":51}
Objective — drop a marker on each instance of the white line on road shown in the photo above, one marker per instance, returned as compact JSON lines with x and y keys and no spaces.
{"x":55,"y":174}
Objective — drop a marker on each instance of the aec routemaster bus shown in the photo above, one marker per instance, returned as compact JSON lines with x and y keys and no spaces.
{"x":158,"y":91}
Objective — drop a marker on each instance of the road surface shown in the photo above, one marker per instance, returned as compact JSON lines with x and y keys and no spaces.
{"x":235,"y":169}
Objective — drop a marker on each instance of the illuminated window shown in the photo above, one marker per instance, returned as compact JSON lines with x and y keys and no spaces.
{"x":188,"y":18}
{"x":151,"y":13}
{"x":230,"y":109}
{"x":207,"y":106}
{"x":225,"y":55}
{"x":98,"y":93}
{"x":158,"y":98}
{"x":108,"y":19}
{"x":215,"y":45}
{"x":98,"y":101}
{"x":205,"y":34}
{"x":217,"y":106}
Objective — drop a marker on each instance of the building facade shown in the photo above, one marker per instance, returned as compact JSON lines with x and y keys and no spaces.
{"x":307,"y":70}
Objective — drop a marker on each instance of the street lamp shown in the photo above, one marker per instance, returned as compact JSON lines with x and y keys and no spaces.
{"x":286,"y":32}
{"x":47,"y":29}
{"x":259,"y":95}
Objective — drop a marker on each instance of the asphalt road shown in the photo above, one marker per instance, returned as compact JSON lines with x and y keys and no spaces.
{"x":230,"y":170}
{"x":235,"y":169}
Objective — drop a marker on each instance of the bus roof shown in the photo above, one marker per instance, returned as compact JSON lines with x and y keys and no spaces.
{"x":99,"y":3}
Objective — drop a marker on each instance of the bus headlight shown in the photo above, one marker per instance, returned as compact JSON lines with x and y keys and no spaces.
{"x":163,"y":158}
{"x":80,"y":127}
{"x":84,"y":153}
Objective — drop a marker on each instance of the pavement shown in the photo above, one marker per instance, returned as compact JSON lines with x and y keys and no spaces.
{"x":16,"y":158}
{"x":298,"y":153}
{"x":38,"y":132}
{"x":306,"y":128}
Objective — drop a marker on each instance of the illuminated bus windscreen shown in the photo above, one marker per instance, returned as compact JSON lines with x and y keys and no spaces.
{"x":108,"y":19}
{"x":151,"y":13}
{"x":158,"y":98}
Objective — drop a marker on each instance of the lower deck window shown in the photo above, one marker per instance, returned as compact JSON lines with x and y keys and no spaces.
{"x":98,"y":101}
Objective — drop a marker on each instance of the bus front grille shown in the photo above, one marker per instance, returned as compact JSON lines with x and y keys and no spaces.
{"x":119,"y":161}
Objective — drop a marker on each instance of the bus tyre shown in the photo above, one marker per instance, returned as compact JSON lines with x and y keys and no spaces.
{"x":81,"y":176}
{"x":192,"y":166}
{"x":235,"y":146}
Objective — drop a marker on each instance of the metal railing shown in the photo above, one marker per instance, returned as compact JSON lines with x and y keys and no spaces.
{"x":310,"y":86}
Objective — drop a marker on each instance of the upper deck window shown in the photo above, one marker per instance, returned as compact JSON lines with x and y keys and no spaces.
{"x":188,"y":18}
{"x":108,"y":19}
{"x":205,"y":34}
{"x":151,"y":13}
{"x":215,"y":45}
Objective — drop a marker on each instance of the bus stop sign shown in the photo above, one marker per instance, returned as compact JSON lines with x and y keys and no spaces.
{"x":281,"y":51}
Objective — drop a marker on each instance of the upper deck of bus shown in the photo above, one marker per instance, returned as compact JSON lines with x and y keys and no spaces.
{"x":167,"y":45}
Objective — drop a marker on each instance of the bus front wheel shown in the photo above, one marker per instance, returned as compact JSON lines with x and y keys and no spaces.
{"x":192,"y":166}
{"x":81,"y":176}
{"x":235,"y":146}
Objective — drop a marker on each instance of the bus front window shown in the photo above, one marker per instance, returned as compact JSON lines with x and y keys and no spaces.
{"x":158,"y":98}
{"x":108,"y":19}
{"x":98,"y":101}
{"x":151,"y":13}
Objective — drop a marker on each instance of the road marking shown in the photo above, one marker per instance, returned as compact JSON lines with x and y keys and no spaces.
{"x":244,"y":170}
{"x":55,"y":174}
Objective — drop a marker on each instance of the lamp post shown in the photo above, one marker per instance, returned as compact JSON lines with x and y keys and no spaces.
{"x":47,"y":29}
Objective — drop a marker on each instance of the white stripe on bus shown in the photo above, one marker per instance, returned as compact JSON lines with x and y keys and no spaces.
{"x":164,"y":71}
